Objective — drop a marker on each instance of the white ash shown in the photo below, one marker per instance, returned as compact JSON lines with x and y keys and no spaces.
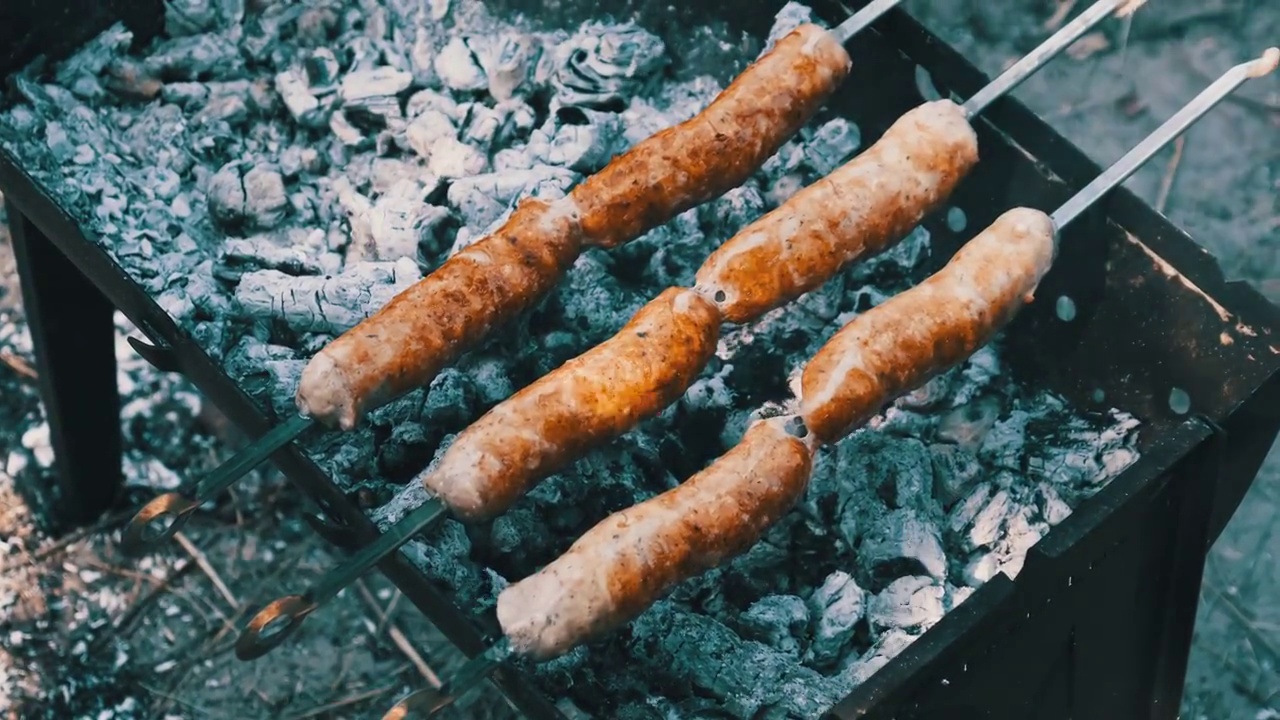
{"x":43,"y":606}
{"x":271,"y":176}
{"x":330,"y":304}
{"x":839,"y":604}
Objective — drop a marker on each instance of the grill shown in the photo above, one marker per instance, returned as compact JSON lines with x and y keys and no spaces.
{"x":1097,"y":624}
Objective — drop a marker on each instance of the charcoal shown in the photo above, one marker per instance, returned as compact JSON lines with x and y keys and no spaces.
{"x":908,"y":603}
{"x":451,"y":399}
{"x":1052,"y":507}
{"x":929,"y":396}
{"x":394,"y":226}
{"x":707,"y":658}
{"x":255,"y":199}
{"x":377,"y":82}
{"x":272,"y":178}
{"x":791,"y":16}
{"x":458,"y":67}
{"x":329,"y":305}
{"x":1008,"y":550}
{"x":899,"y":470}
{"x":902,"y":543}
{"x":195,"y":57}
{"x":603,"y":65}
{"x":989,"y":520}
{"x":832,"y":145}
{"x":297,"y":97}
{"x":265,"y":253}
{"x":483,"y":200}
{"x":839,"y":604}
{"x":779,"y":621}
{"x":509,"y":65}
{"x":886,"y":647}
{"x":964,"y":513}
{"x":968,"y":424}
{"x":955,"y":470}
{"x":424,"y":100}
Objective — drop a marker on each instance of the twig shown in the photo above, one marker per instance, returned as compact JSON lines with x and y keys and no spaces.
{"x":1090,"y":104}
{"x":172,"y":698}
{"x":136,"y":608}
{"x":206,"y":568}
{"x":386,"y":614}
{"x":1059,"y":15}
{"x":398,"y":637}
{"x":32,"y":558}
{"x":352,"y":700}
{"x":19,"y":365}
{"x":1166,"y":183}
{"x":1237,"y":614}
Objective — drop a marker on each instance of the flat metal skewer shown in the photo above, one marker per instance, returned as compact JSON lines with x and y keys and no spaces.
{"x":1010,"y":79}
{"x":1171,"y":129}
{"x":162,"y":517}
{"x":429,"y":702}
{"x":280,"y":618}
{"x":860,"y":20}
{"x":284,"y":615}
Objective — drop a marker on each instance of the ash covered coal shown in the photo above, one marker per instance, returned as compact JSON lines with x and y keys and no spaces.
{"x":273,"y":176}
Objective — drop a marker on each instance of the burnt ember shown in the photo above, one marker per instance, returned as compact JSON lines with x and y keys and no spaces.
{"x":273,"y":176}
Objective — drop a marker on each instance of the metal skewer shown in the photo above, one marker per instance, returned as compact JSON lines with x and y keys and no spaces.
{"x":429,"y":702}
{"x":162,"y":517}
{"x":285,"y":615}
{"x":166,"y":514}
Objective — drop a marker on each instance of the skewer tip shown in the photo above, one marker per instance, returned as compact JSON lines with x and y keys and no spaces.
{"x":1129,"y":7}
{"x":1266,"y":64}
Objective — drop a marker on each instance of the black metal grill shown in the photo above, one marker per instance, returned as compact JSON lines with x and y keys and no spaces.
{"x":1099,"y":622}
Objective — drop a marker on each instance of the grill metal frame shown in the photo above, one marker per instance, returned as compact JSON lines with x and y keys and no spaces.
{"x":1063,"y":640}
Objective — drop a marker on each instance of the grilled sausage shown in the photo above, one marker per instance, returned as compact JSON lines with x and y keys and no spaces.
{"x":589,"y":400}
{"x":719,"y":148}
{"x":630,"y":559}
{"x":407,"y":342}
{"x":422,"y":329}
{"x":858,"y":210}
{"x":902,"y":343}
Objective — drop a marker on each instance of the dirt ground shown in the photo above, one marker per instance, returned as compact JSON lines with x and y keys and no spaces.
{"x":86,"y":633}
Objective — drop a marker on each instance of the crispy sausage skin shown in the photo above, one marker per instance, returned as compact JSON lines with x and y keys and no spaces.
{"x":589,"y":400}
{"x":629,"y":560}
{"x":858,"y":210}
{"x":408,"y":341}
{"x":720,"y":147}
{"x":905,"y":341}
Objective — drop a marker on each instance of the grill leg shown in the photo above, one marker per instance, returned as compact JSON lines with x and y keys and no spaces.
{"x":73,"y":333}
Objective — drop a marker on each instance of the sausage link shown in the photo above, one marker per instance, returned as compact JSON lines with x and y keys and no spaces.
{"x":907,"y":340}
{"x":630,"y":559}
{"x":589,"y":400}
{"x":408,"y":341}
{"x":858,"y":210}
{"x":720,"y":147}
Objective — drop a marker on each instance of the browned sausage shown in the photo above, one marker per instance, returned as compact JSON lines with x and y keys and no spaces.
{"x":902,"y":343}
{"x":407,"y":342}
{"x":589,"y":400}
{"x":422,"y":329}
{"x":858,"y":210}
{"x":630,"y":559}
{"x":717,"y":149}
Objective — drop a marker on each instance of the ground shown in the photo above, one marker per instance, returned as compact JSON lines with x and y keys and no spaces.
{"x":87,"y":630}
